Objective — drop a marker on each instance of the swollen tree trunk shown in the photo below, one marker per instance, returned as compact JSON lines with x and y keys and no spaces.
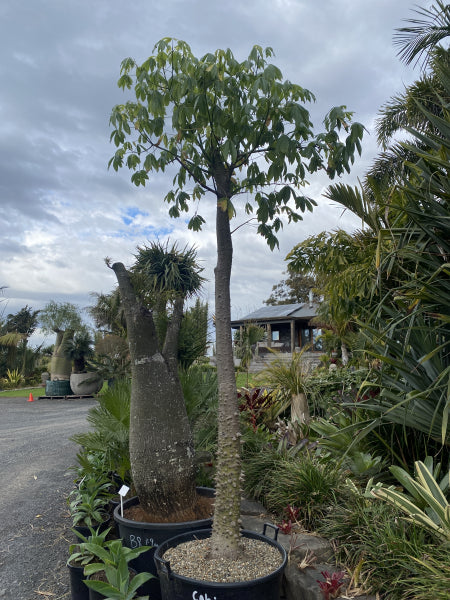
{"x":61,"y":364}
{"x":300,"y":408}
{"x":344,"y":353}
{"x":161,"y":448}
{"x":225,"y":539}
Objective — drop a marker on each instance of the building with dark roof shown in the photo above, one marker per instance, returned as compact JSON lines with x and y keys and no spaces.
{"x":288,"y":327}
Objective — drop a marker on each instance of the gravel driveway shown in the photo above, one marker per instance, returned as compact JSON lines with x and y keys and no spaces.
{"x":35,"y":454}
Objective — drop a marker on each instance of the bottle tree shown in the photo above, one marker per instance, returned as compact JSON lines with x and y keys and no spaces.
{"x":227,"y":128}
{"x":64,"y":319}
{"x":161,"y":446}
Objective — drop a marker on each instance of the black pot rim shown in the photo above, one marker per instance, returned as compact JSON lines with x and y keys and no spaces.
{"x":204,"y":533}
{"x":164,"y":526}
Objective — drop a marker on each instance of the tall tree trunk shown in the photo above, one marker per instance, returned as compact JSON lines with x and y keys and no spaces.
{"x":225,"y":535}
{"x":161,"y":448}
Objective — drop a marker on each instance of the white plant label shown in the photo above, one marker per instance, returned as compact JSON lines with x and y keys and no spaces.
{"x":123,"y":492}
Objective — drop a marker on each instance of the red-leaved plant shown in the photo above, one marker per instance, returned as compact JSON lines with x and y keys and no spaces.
{"x":290,"y":520}
{"x":254,"y":401}
{"x":332,"y":584}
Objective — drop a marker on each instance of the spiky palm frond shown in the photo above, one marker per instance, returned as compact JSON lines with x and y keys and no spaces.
{"x":418,"y":40}
{"x":169,"y":269}
{"x":110,"y":422}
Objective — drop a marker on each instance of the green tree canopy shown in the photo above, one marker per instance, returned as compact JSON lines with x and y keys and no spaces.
{"x":59,"y":316}
{"x":295,"y":288}
{"x":214,"y":118}
{"x":24,"y":321}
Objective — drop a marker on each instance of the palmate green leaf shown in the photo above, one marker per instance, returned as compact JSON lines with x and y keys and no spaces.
{"x":217,"y":106}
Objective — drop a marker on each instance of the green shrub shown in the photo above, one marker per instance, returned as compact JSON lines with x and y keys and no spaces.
{"x":306,"y":483}
{"x":110,"y":422}
{"x":282,"y":476}
{"x":200,"y":391}
{"x":371,"y":539}
{"x":429,"y":576}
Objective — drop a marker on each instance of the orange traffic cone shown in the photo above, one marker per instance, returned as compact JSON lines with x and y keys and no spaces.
{"x":30,"y":397}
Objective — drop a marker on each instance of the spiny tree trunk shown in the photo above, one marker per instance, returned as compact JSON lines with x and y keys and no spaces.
{"x":161,"y":448}
{"x":225,"y":539}
{"x":61,"y":365}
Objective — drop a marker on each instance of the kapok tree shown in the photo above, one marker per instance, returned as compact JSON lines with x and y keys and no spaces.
{"x":228,"y":128}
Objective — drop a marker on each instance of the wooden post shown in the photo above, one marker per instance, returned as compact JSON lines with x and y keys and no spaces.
{"x":269,"y":335}
{"x":292,"y":337}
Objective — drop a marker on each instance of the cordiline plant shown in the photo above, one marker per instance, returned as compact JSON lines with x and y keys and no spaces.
{"x":257,"y":405}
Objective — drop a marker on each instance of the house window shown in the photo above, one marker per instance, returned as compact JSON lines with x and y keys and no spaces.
{"x":317,"y":341}
{"x":305,"y":335}
{"x":275,"y":336}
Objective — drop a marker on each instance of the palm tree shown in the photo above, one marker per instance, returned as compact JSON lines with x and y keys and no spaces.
{"x":410,"y":328}
{"x":79,"y":349}
{"x":418,"y":40}
{"x":108,"y":313}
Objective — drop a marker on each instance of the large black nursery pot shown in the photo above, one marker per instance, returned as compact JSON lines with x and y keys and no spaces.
{"x":138,"y":533}
{"x":177,"y":587}
{"x":78,"y":589}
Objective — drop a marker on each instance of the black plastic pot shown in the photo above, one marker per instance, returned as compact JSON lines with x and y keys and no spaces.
{"x":78,"y":589}
{"x":177,"y":587}
{"x":137,"y":533}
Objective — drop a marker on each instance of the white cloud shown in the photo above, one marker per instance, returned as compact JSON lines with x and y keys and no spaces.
{"x":63,"y":212}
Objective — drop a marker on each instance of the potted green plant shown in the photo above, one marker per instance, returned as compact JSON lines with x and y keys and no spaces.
{"x":111,"y":576}
{"x":88,"y":504}
{"x":153,"y":293}
{"x":215,"y":118}
{"x":79,"y":557}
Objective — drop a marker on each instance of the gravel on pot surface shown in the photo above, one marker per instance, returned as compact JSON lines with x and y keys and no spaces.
{"x":190,"y":559}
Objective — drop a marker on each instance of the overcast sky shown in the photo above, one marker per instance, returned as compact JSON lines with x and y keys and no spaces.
{"x":62,"y":212}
